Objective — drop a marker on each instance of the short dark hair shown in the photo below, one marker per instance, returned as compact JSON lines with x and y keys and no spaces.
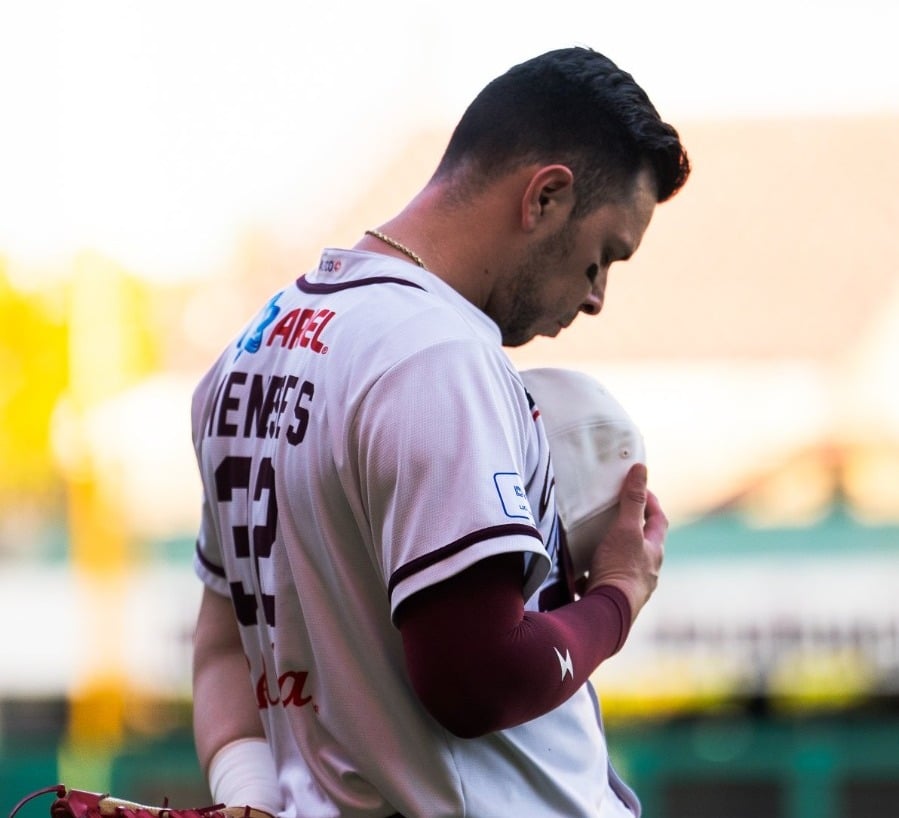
{"x":576,"y":107}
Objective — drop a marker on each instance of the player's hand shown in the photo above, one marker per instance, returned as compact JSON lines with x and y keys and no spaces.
{"x":630,"y":555}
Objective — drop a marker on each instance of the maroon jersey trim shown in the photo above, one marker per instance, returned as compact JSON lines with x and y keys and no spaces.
{"x":321,"y":287}
{"x":209,"y":566}
{"x":427,"y":560}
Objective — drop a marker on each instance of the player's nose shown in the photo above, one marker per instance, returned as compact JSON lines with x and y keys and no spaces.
{"x":593,"y":303}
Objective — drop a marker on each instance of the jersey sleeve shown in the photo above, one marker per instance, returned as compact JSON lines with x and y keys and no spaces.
{"x":208,"y":562}
{"x":442,"y":439}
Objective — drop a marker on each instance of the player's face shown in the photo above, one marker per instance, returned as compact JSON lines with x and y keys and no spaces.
{"x":566,"y":273}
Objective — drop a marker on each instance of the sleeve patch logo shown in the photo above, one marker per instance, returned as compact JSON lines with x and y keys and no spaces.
{"x":512,"y":495}
{"x":565,"y":663}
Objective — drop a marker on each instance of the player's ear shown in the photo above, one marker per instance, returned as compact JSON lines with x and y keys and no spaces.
{"x":548,"y":198}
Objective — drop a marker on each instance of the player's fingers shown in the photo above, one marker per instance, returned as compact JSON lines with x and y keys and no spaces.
{"x":633,"y":498}
{"x":656,"y":526}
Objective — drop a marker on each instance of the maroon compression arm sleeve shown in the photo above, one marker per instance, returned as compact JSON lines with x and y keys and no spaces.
{"x":479,"y":662}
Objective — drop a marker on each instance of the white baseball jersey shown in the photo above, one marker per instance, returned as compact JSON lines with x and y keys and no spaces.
{"x":365,"y":438}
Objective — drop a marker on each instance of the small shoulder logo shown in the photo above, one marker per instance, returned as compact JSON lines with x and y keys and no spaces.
{"x":512,"y":496}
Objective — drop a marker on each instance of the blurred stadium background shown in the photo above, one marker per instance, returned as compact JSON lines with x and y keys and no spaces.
{"x":164,"y":167}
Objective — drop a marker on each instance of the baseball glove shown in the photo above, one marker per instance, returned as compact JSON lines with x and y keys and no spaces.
{"x":81,"y":804}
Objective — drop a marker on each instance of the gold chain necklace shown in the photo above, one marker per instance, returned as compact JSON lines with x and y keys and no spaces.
{"x":397,"y":246}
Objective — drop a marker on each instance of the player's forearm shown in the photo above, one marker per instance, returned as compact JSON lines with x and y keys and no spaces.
{"x":541,"y":662}
{"x":224,"y":706}
{"x":480,"y":663}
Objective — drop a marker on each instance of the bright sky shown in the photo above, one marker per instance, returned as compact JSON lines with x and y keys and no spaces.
{"x":154,"y":129}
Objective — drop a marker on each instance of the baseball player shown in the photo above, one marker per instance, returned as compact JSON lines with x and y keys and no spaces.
{"x":387,"y":627}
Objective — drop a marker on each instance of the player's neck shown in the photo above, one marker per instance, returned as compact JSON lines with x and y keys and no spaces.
{"x":454,"y":242}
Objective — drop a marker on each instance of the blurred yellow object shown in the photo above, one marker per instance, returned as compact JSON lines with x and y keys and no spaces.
{"x":32,"y":377}
{"x":822,"y":679}
{"x":108,"y":351}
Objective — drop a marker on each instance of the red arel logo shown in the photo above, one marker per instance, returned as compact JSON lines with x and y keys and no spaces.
{"x":301,"y":328}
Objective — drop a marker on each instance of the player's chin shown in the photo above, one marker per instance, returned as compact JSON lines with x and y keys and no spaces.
{"x":521,"y":336}
{"x":547,"y":331}
{"x":555,"y":329}
{"x":518,"y":338}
